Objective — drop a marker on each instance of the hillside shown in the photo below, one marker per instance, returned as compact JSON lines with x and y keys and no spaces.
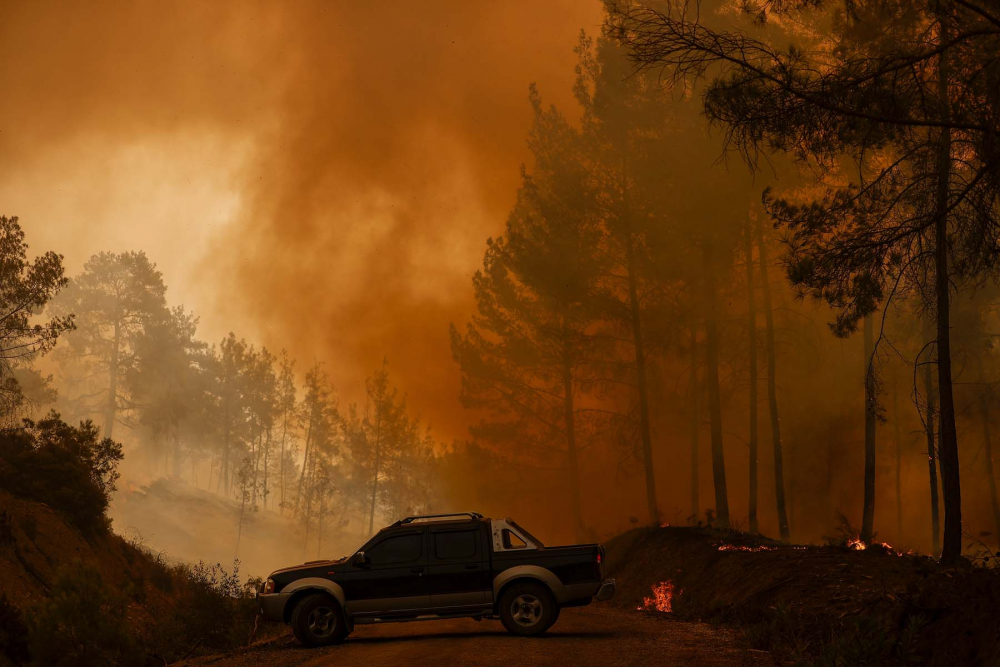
{"x":93,"y":599}
{"x":805,"y":603}
{"x":37,"y":543}
{"x":189,"y":524}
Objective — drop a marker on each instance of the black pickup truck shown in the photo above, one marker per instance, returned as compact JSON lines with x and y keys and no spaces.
{"x":434,"y":567}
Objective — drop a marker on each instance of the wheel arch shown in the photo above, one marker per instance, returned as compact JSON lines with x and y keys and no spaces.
{"x":527,"y":573}
{"x":302,"y":588}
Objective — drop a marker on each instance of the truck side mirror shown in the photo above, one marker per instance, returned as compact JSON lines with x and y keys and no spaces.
{"x":361,"y":560}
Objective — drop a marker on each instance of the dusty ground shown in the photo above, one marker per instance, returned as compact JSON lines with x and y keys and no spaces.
{"x":595,"y":635}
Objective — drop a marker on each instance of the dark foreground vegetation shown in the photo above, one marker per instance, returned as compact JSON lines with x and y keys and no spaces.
{"x":73,"y":593}
{"x":814,"y":605}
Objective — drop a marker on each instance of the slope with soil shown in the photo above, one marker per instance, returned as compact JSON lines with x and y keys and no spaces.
{"x":831,"y":605}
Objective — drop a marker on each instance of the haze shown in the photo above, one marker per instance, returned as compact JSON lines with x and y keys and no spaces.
{"x":313,"y":176}
{"x":573,"y":279}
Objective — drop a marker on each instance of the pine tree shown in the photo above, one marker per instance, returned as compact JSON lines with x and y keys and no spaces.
{"x":524,"y":356}
{"x":115,"y":299}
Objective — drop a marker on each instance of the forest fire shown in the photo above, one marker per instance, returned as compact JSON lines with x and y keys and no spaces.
{"x":662,"y":599}
{"x":712,"y":281}
{"x":857,"y":544}
{"x":744,"y":547}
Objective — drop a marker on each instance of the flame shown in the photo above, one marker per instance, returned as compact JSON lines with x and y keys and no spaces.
{"x":744,"y":547}
{"x":759,"y":547}
{"x":662,"y":600}
{"x":888,"y":547}
{"x":664,"y":525}
{"x":856,"y":544}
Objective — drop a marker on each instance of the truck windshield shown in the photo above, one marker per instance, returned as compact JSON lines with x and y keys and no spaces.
{"x":527,"y":534}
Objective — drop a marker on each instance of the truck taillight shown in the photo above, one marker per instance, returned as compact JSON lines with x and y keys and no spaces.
{"x":598,"y":557}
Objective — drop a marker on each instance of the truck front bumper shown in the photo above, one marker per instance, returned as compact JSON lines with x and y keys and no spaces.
{"x":607,"y":590}
{"x":272,"y":605}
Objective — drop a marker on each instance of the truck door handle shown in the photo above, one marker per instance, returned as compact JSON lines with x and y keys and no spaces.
{"x":417,"y":570}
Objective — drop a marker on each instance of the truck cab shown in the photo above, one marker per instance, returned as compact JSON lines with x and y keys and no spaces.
{"x":433,"y":567}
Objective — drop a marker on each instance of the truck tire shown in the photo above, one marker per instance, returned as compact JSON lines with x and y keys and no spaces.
{"x":528,"y":609}
{"x":318,"y":620}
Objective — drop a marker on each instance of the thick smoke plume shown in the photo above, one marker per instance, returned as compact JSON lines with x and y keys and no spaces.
{"x":319,"y":176}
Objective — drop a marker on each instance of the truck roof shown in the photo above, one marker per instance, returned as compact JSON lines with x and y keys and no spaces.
{"x":436,"y":519}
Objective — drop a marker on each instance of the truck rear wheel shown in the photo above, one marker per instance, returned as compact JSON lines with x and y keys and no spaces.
{"x":318,"y":620}
{"x":528,"y":609}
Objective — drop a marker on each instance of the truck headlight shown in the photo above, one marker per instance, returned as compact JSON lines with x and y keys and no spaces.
{"x":268,"y":587}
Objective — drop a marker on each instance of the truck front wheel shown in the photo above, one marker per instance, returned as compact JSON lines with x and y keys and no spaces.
{"x":317,"y":620}
{"x":528,"y":609}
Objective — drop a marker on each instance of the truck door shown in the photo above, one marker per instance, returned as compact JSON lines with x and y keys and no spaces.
{"x":394,"y":580}
{"x":458,"y":567}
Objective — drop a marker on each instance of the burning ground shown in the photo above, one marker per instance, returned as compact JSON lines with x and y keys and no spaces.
{"x":828,"y":604}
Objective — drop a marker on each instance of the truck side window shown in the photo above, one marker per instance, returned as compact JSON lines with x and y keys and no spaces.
{"x":398,"y":549}
{"x":455,"y":545}
{"x":512,"y":541}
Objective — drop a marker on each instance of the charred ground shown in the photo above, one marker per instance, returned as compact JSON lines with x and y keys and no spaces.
{"x":814,"y":604}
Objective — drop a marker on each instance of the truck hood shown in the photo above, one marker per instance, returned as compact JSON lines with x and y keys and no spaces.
{"x":309,"y":565}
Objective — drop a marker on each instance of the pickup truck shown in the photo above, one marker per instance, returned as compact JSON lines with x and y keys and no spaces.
{"x":435,"y":567}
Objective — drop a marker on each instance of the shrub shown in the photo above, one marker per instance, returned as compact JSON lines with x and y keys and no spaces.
{"x":82,"y":624}
{"x":13,"y":634}
{"x":214,"y":612}
{"x":69,"y":468}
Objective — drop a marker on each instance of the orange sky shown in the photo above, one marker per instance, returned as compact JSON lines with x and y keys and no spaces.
{"x":317,"y":176}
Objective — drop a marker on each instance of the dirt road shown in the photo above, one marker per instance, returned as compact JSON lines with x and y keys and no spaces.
{"x":596,"y":635}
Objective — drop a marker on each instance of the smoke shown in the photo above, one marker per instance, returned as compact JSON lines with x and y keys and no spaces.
{"x":316,"y":176}
{"x":321,"y":177}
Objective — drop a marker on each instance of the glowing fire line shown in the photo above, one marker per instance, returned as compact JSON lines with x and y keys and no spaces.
{"x":662,"y":600}
{"x":759,"y":547}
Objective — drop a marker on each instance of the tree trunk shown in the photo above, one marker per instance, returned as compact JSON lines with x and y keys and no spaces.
{"x":112,"y":408}
{"x":772,"y":387}
{"x":695,"y":423}
{"x":990,"y":475}
{"x":714,"y":394}
{"x":378,"y":447}
{"x":239,"y":528}
{"x":267,"y":457}
{"x":752,"y":345}
{"x":638,"y":345}
{"x":640,"y":372}
{"x":571,"y":453}
{"x":305,"y":458}
{"x":899,"y":461}
{"x":310,"y":492}
{"x":948,"y":452}
{"x":256,"y":453}
{"x":224,"y":464}
{"x":281,"y":463}
{"x":319,"y":529}
{"x":868,"y":513}
{"x":932,"y":459}
{"x":177,"y":453}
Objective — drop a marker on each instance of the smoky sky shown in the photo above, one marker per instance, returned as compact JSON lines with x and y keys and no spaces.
{"x":314,"y":176}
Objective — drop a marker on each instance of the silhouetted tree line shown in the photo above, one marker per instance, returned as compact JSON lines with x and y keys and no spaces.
{"x":896,"y":101}
{"x":230,"y":417}
{"x":626,"y":241}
